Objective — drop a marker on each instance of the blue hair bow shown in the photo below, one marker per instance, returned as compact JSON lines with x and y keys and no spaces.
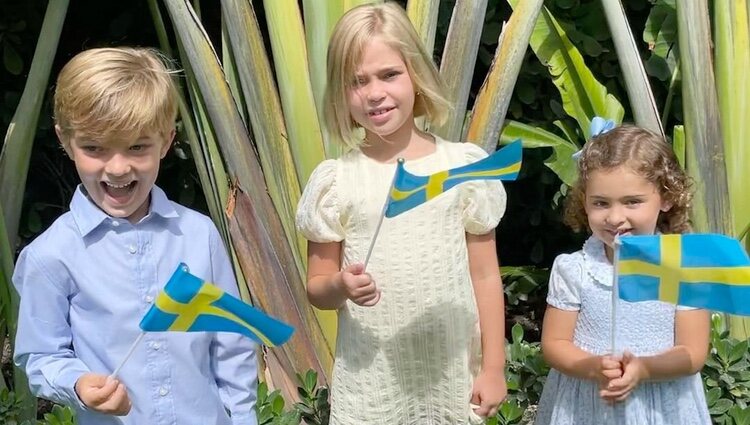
{"x":598,"y":127}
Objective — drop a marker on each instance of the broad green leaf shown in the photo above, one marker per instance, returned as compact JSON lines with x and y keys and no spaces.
{"x":11,"y":59}
{"x":732,"y":61}
{"x":269,"y":130}
{"x":732,"y":54}
{"x":678,"y":144}
{"x":583,"y":96}
{"x":320,"y":18}
{"x":423,"y":15}
{"x":494,"y":97}
{"x":636,"y":81}
{"x":267,"y":122}
{"x":561,"y":161}
{"x":457,"y":64}
{"x":660,"y":33}
{"x":216,"y":193}
{"x":705,"y":152}
{"x":290,"y":59}
{"x":257,"y":233}
{"x":19,"y":139}
{"x":14,"y":165}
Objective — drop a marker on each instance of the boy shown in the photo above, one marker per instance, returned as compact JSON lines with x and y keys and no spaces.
{"x":86,"y":282}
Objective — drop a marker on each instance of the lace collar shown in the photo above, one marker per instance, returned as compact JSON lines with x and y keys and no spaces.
{"x":595,"y":261}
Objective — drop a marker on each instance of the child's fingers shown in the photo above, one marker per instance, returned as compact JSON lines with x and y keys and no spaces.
{"x":371,"y":300}
{"x":364,"y":291}
{"x":615,"y":396}
{"x":610,"y":363}
{"x":97,"y":396}
{"x":487,"y":409}
{"x":118,"y":404}
{"x":612,"y":373}
{"x":355,"y":269}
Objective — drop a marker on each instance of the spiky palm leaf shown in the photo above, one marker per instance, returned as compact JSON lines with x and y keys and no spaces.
{"x":14,"y":165}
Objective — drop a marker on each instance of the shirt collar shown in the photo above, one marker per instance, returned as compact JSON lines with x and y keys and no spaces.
{"x":88,"y":216}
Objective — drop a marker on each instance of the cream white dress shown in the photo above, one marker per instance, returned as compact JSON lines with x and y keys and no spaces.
{"x":409,"y":359}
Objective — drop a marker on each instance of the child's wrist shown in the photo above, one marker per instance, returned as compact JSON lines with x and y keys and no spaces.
{"x":494,"y":368}
{"x":644,"y":374}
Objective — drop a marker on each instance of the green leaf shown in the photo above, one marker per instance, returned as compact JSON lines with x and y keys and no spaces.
{"x":494,"y":97}
{"x":311,"y":380}
{"x":583,"y":96}
{"x":561,"y":161}
{"x":517,"y":332}
{"x":510,"y":412}
{"x":712,"y":396}
{"x":12,"y":60}
{"x":738,"y":352}
{"x":721,"y":406}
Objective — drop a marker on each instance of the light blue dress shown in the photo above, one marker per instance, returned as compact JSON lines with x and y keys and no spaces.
{"x":582,"y":282}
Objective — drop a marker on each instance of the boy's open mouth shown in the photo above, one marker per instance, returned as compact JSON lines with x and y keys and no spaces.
{"x":119,"y":191}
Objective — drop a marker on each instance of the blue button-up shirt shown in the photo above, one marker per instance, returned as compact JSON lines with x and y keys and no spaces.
{"x":85,"y":284}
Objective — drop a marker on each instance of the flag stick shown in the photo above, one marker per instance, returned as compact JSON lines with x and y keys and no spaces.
{"x":613,"y":318}
{"x":615,"y":294}
{"x":382,"y":215}
{"x":127,"y":356}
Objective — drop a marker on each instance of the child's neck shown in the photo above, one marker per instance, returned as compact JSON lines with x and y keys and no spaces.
{"x":410,"y":143}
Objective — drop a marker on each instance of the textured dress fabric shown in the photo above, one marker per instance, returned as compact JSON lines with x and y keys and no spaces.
{"x":409,"y":358}
{"x":582,"y":282}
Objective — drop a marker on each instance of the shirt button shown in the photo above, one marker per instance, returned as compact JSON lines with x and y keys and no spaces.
{"x":115,"y":223}
{"x":148,"y":298}
{"x":155,"y":345}
{"x":132,"y":249}
{"x":163,"y":391}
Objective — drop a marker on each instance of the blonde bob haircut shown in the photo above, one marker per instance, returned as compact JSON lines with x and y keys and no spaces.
{"x":648,"y":155}
{"x":352,"y":33}
{"x":115,"y":92}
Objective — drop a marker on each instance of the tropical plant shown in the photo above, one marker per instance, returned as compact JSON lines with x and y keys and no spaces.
{"x":726,"y":376}
{"x":313,"y":406}
{"x":252,"y":197}
{"x":525,"y":371}
{"x":14,"y":161}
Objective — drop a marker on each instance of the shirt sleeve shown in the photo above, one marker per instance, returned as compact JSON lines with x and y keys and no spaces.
{"x":44,"y":342}
{"x":483,"y":201}
{"x":318,"y":217}
{"x":233,"y":356}
{"x":565,"y":282}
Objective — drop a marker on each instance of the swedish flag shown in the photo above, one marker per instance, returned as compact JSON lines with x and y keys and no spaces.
{"x":409,"y":190}
{"x":188,"y":304}
{"x":698,"y":270}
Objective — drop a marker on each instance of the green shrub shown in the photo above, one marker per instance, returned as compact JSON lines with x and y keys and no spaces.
{"x":313,"y":406}
{"x":11,"y":406}
{"x":726,"y":377}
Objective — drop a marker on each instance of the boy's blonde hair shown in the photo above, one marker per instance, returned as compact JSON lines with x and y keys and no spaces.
{"x":648,"y":155}
{"x":350,"y":36}
{"x":114,"y":92}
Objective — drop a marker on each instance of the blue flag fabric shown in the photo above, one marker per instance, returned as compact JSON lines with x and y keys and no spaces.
{"x":410,"y":190}
{"x":188,"y":304}
{"x":708,"y":271}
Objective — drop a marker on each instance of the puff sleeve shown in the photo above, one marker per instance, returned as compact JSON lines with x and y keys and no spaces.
{"x":318,"y":218}
{"x":565,"y":281}
{"x":482,"y":201}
